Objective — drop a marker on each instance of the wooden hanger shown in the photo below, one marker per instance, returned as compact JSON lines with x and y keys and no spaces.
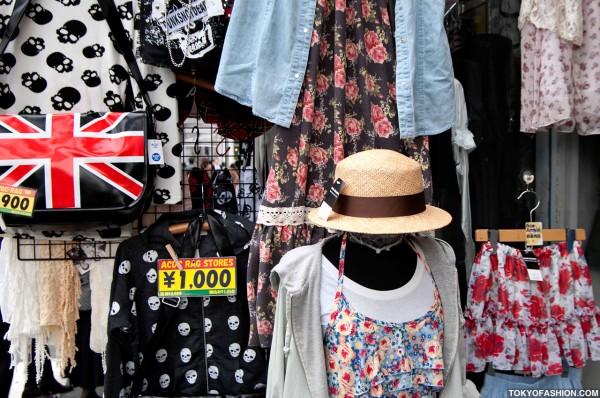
{"x":518,"y":235}
{"x":177,"y":229}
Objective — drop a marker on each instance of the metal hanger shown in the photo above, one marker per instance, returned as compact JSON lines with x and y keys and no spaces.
{"x":528,"y":177}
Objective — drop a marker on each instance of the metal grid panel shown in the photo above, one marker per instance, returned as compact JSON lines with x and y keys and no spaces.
{"x":200,"y":145}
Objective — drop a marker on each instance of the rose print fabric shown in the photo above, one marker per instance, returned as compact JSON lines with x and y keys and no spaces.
{"x":517,"y":324}
{"x":347,"y":104}
{"x":560,"y":81}
{"x":367,"y":357}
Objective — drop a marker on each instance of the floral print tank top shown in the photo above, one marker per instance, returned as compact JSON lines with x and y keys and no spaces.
{"x":371,"y":358}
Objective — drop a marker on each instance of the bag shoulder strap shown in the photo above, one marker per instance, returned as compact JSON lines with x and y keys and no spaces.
{"x":111,"y":14}
{"x":219,"y":234}
{"x":13,"y":22}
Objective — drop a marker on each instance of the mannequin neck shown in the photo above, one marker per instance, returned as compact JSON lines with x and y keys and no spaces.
{"x":386,"y":270}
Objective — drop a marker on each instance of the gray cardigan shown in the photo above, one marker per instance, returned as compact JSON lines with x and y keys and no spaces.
{"x":297,"y":362}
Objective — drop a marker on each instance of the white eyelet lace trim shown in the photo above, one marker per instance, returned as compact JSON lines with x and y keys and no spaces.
{"x":283,"y":215}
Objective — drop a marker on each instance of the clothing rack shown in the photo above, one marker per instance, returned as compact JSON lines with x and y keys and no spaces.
{"x":470,"y":5}
{"x":63,"y":250}
{"x":518,"y":235}
{"x":177,"y":229}
{"x":187,"y":78}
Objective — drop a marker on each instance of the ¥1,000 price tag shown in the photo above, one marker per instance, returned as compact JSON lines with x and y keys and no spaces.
{"x":16,"y":200}
{"x":208,"y":276}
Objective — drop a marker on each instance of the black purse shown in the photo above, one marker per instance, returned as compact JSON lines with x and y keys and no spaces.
{"x":88,"y":169}
{"x":183,"y":35}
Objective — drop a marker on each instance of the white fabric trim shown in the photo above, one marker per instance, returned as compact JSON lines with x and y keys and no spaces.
{"x":282,"y":215}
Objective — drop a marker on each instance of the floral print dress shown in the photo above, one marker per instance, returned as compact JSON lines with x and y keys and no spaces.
{"x":528,"y":326}
{"x":347,"y":104}
{"x":372,"y":358}
{"x":560,"y":81}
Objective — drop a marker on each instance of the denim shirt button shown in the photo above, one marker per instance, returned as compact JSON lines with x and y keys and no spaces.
{"x":402,"y":39}
{"x":297,"y":75}
{"x":403,"y":85}
{"x":305,"y":30}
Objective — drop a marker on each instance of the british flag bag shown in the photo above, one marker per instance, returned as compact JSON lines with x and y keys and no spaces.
{"x":87,"y":168}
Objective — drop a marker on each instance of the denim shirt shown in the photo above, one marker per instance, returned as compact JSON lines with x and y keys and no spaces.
{"x":265,"y":56}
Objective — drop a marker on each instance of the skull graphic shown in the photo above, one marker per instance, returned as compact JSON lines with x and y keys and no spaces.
{"x":186,"y":355}
{"x":90,"y":78}
{"x":153,"y":303}
{"x":114,"y":308}
{"x":231,"y":299}
{"x":144,"y":385}
{"x":184,"y":328}
{"x":234,"y":350}
{"x":191,"y":376}
{"x":161,"y":355}
{"x":34,"y":82}
{"x":117,"y":74}
{"x":141,"y":357}
{"x":249,"y":355}
{"x":65,"y":99}
{"x":239,"y":376}
{"x":132,"y":293}
{"x":206,"y":301}
{"x":93,"y":51}
{"x":130,"y":368}
{"x":151,"y":275}
{"x":33,"y":46}
{"x":39,"y":14}
{"x":153,"y":328}
{"x":213,"y":372}
{"x":71,"y":32}
{"x":133,"y":310}
{"x":209,"y":350}
{"x":59,"y":62}
{"x":124,"y":267}
{"x":164,"y":381}
{"x":183,"y":303}
{"x":207,"y":325}
{"x":7,"y":61}
{"x":150,"y":256}
{"x":233,"y":322}
{"x":7,"y":98}
{"x":122,"y":393}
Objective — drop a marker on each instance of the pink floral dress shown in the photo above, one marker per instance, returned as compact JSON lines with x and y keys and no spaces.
{"x":372,"y":358}
{"x":528,"y":326}
{"x":560,"y":81}
{"x":347,"y":104}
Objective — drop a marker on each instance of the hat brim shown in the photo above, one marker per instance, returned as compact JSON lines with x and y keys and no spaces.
{"x":430,"y":219}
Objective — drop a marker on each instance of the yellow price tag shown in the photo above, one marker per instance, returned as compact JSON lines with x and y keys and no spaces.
{"x":534,"y":234}
{"x":208,"y":276}
{"x":17,"y":200}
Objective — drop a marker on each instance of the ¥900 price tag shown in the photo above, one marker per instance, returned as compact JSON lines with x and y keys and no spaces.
{"x":18,"y":201}
{"x":208,"y":276}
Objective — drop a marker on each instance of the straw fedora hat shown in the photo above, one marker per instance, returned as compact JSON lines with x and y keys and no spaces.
{"x":383,"y":194}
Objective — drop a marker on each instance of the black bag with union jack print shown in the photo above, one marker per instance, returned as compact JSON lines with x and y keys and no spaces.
{"x":87,"y":168}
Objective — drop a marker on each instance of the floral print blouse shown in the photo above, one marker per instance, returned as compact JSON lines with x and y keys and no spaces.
{"x":514,"y":323}
{"x":372,"y":358}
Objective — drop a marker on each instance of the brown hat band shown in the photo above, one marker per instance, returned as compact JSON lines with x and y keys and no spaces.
{"x":379,"y":207}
